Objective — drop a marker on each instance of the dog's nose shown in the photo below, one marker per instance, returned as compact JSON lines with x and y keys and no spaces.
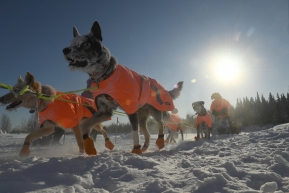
{"x":66,"y":51}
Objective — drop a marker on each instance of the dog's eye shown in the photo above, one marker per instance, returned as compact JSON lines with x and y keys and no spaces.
{"x":85,"y":45}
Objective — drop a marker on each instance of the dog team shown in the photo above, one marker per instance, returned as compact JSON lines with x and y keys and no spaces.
{"x":112,"y":86}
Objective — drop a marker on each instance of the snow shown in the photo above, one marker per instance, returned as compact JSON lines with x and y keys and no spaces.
{"x":254,"y":161}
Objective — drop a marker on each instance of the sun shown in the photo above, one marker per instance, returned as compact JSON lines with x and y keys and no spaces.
{"x":227,"y":69}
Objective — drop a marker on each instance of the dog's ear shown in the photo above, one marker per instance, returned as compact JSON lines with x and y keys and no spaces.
{"x":20,"y":80}
{"x":96,"y":31}
{"x":75,"y":32}
{"x":29,"y":79}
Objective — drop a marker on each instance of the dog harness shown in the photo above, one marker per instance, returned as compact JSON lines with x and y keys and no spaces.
{"x":207,"y":119}
{"x":67,"y":114}
{"x":174,"y":122}
{"x":219,"y":105}
{"x":132,"y":90}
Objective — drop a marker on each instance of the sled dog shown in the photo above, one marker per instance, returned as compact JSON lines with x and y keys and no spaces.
{"x":66,"y":111}
{"x":173,"y":124}
{"x":118,"y":86}
{"x":203,"y":121}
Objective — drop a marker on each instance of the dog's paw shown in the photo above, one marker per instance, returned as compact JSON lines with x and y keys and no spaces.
{"x":109,"y":145}
{"x":144,"y":149}
{"x":25,"y":151}
{"x":136,"y":149}
{"x":81,"y":152}
{"x":89,"y":146}
{"x":160,"y":142}
{"x":197,"y":138}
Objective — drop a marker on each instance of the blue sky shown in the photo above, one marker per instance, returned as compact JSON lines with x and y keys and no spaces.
{"x":167,"y":40}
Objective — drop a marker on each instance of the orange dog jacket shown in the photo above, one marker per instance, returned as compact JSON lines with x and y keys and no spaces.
{"x":207,"y":118}
{"x":174,"y":122}
{"x":67,"y":114}
{"x":132,"y":90}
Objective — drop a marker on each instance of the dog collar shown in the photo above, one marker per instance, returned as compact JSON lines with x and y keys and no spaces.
{"x":96,"y":75}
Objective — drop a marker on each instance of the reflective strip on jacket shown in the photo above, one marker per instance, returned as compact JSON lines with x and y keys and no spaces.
{"x":207,"y":118}
{"x":132,"y":90}
{"x":174,"y":122}
{"x":219,"y":105}
{"x":67,"y":114}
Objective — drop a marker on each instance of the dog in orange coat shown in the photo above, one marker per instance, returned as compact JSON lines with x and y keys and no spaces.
{"x":173,"y":123}
{"x":66,"y":111}
{"x":118,"y":86}
{"x":203,"y":122}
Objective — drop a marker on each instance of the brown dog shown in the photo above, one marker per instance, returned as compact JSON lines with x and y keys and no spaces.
{"x":138,"y":95}
{"x":66,"y":111}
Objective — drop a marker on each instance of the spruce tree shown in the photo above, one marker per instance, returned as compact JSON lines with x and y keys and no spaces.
{"x":266,"y":116}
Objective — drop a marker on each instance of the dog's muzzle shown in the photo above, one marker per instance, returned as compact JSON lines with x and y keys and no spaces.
{"x":66,"y":51}
{"x":14,"y":105}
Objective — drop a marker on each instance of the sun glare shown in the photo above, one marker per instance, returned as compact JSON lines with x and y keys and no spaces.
{"x":227,"y":69}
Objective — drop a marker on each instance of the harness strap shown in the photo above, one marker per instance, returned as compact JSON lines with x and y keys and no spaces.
{"x":90,"y":108}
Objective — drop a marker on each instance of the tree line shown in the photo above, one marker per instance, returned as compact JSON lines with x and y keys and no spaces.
{"x":259,"y":111}
{"x":253,"y":111}
{"x":26,"y":125}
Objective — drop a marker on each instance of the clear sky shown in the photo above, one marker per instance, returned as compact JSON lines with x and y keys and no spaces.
{"x":237,"y":48}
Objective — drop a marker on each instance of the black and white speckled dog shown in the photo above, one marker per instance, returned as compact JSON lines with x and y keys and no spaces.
{"x":138,"y":95}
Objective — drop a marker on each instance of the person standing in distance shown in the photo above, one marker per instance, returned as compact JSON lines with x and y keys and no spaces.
{"x":220,"y":109}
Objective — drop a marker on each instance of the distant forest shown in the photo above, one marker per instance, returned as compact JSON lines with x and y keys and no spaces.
{"x":247,"y":112}
{"x":259,"y":111}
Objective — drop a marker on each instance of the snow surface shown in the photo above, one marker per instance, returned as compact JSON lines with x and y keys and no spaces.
{"x":256,"y":161}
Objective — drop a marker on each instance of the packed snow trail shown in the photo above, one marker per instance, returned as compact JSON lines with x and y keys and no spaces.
{"x":250,"y":162}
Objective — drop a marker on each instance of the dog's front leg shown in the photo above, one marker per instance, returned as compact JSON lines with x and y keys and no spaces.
{"x":105,"y":108}
{"x":43,"y":131}
{"x":87,"y":125}
{"x":78,"y":136}
{"x":133,"y":118}
{"x":108,"y":144}
{"x":95,"y":120}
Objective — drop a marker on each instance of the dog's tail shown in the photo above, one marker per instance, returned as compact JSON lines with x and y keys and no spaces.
{"x":175,"y":93}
